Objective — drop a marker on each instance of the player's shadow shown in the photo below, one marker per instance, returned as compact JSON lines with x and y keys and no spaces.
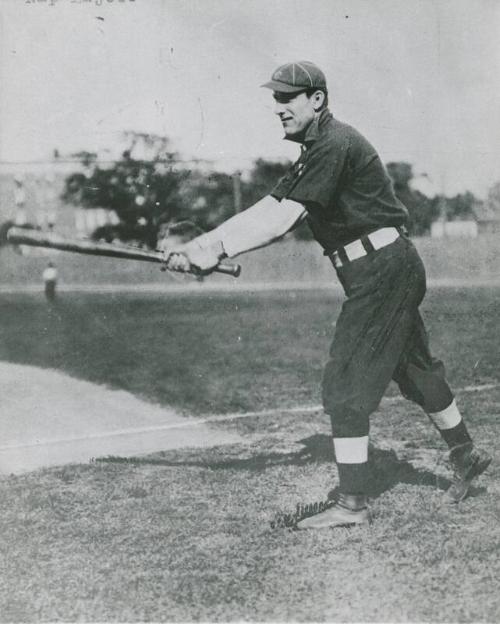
{"x":386,"y":469}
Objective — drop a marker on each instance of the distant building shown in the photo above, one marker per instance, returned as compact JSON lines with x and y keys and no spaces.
{"x":30,"y":194}
{"x":454,"y":229}
{"x":486,"y":221}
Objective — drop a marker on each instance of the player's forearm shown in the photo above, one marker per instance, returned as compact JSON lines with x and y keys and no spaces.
{"x":258,"y":226}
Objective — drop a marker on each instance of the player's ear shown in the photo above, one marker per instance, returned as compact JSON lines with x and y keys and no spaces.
{"x":318,"y":99}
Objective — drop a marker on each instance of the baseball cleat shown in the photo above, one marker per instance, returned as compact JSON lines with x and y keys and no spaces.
{"x":290,"y":520}
{"x":348,"y":510}
{"x":467,"y":463}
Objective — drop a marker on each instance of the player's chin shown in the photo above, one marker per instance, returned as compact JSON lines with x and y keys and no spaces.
{"x":291,"y":131}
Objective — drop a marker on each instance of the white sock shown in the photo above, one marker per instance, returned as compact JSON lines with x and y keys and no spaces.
{"x":351,"y":450}
{"x":448,"y":418}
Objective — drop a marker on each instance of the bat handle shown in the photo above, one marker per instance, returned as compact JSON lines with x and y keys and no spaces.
{"x":229,"y":269}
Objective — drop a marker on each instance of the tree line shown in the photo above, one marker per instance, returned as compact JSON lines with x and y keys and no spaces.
{"x":150,"y":193}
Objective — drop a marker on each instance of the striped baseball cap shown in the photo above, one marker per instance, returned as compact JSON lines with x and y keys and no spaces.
{"x":298,"y":76}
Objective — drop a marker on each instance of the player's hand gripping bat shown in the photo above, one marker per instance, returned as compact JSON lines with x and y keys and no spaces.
{"x":186,"y":250}
{"x":37,"y":238}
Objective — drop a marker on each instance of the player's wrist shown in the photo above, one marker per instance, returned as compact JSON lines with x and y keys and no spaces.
{"x":205,"y":242}
{"x":219,"y":250}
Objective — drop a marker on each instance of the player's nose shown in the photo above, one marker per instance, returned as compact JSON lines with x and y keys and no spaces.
{"x":279,"y":108}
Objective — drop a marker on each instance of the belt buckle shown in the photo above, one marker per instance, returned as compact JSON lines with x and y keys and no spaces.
{"x":355,"y":250}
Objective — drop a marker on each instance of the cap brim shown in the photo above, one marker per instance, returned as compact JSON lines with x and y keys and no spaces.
{"x":282,"y":87}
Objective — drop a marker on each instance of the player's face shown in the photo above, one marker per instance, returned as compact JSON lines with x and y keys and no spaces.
{"x":296,"y":111}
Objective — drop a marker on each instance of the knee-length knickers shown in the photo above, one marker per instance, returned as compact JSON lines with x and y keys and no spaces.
{"x":380,"y":336}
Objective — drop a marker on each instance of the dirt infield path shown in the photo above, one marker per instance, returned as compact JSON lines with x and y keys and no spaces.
{"x":48,"y":418}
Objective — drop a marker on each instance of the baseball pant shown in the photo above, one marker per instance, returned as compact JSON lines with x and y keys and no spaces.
{"x":380,"y":336}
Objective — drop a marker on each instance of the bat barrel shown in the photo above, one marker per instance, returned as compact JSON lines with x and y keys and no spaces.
{"x":37,"y":238}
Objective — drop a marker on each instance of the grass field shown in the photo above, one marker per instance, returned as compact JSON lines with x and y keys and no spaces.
{"x":184,"y":535}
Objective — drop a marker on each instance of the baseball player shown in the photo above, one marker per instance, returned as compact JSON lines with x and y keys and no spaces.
{"x":50,"y":281}
{"x":341,"y":188}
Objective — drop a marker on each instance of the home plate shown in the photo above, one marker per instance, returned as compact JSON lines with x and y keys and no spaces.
{"x":49,"y":418}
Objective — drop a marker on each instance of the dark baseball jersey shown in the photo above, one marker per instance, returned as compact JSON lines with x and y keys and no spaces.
{"x":342,"y":183}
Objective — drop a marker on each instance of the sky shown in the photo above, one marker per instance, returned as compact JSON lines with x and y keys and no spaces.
{"x":419,"y":78}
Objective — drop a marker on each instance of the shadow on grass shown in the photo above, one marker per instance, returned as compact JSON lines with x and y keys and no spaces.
{"x":387,"y":470}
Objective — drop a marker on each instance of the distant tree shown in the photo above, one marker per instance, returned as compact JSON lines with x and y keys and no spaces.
{"x":401,"y":174}
{"x":493,"y":198}
{"x":264,"y":176}
{"x":422,"y":210}
{"x":142,"y":192}
{"x":209,"y":197}
{"x":460,"y":206}
{"x":86,"y":158}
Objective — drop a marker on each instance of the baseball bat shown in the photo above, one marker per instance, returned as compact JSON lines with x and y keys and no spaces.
{"x":37,"y":238}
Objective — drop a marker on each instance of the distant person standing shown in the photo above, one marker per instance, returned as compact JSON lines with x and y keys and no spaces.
{"x":20,"y":217}
{"x":50,"y":281}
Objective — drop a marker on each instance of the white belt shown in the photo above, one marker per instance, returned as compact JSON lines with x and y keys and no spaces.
{"x":356,"y":249}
